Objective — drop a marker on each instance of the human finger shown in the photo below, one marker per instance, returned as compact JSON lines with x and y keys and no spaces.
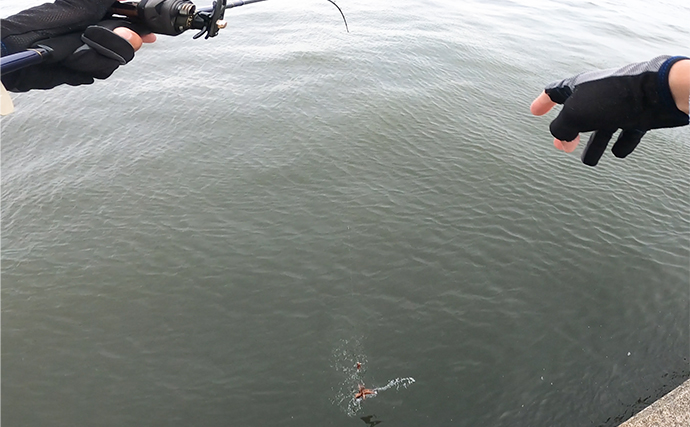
{"x":133,"y":38}
{"x":627,"y":141}
{"x":148,"y":38}
{"x":596,"y":146}
{"x":565,"y":126}
{"x":541,"y":105}
{"x":567,"y":146}
{"x":104,"y":52}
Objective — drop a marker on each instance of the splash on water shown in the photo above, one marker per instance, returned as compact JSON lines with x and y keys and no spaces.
{"x":345,"y":359}
{"x":396,"y":383}
{"x":351,"y":364}
{"x":355,"y":404}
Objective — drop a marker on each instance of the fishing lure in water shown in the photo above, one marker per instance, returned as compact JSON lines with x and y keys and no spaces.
{"x":364,"y":392}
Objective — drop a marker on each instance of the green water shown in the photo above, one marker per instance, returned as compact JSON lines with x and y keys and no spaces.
{"x":217,"y":234}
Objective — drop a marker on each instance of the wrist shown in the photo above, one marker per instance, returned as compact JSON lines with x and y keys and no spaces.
{"x":679,"y":83}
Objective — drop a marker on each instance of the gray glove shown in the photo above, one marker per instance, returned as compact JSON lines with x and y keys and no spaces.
{"x":635,"y":98}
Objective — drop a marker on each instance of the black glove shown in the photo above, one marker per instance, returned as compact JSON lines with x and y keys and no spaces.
{"x":81,"y":51}
{"x":50,"y":20}
{"x":635,"y":98}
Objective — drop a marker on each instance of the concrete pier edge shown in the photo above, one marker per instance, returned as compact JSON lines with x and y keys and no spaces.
{"x":672,"y":410}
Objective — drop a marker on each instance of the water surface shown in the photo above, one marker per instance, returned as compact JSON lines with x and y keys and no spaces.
{"x":217,"y":234}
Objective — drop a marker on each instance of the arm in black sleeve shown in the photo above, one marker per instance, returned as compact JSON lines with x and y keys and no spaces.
{"x":22,"y":30}
{"x":83,"y":46}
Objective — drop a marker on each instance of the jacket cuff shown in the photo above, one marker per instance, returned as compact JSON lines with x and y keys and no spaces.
{"x":664,"y":87}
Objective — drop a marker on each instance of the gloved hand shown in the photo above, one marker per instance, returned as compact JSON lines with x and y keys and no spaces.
{"x":635,"y":98}
{"x":81,"y":51}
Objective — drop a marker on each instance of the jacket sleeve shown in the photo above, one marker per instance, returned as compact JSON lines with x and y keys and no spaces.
{"x":20,"y":31}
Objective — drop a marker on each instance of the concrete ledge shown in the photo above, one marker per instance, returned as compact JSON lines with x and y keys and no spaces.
{"x":672,"y":410}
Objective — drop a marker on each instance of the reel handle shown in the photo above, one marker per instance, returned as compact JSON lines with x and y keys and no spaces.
{"x":173,"y":17}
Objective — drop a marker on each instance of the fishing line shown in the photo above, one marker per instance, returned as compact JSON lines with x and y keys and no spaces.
{"x":243,"y":2}
{"x":341,"y":14}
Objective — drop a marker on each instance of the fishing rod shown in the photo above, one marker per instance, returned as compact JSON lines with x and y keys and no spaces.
{"x":166,"y":17}
{"x":173,"y":17}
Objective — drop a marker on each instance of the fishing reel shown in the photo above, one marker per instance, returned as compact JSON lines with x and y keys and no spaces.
{"x":173,"y":17}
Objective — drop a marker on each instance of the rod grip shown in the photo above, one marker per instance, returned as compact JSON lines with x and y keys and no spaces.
{"x":22,"y":59}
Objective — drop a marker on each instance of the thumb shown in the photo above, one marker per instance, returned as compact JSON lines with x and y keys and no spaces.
{"x":541,"y":105}
{"x":129,"y":35}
